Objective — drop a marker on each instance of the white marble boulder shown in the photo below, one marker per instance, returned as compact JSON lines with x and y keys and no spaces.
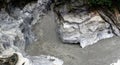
{"x":82,"y":26}
{"x":77,"y":30}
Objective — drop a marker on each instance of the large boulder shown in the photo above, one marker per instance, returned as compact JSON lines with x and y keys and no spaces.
{"x":80,"y":25}
{"x":83,"y":31}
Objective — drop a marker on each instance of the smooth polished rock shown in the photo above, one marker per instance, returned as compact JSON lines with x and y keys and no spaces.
{"x":85,"y":30}
{"x":78,"y":24}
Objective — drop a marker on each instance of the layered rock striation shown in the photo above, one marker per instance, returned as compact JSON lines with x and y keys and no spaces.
{"x":78,"y":24}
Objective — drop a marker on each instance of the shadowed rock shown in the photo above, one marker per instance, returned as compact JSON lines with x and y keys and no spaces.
{"x":10,"y":60}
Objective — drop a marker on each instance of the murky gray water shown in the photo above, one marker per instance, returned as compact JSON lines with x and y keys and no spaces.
{"x":104,"y":52}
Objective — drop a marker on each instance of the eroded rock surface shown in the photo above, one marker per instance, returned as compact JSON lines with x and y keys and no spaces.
{"x":18,"y":59}
{"x":85,"y":33}
{"x":16,"y":33}
{"x":82,"y":26}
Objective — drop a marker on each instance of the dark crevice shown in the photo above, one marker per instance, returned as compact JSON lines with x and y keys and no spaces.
{"x":110,"y":18}
{"x":10,"y":60}
{"x":11,"y":4}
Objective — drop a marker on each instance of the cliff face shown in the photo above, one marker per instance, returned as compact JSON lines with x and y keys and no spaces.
{"x":16,"y":33}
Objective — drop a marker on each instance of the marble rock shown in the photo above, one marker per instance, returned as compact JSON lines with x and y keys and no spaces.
{"x":16,"y":33}
{"x":86,"y":30}
{"x":10,"y":57}
{"x":81,"y":25}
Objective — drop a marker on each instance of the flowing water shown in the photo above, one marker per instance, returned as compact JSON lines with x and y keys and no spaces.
{"x":104,"y":52}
